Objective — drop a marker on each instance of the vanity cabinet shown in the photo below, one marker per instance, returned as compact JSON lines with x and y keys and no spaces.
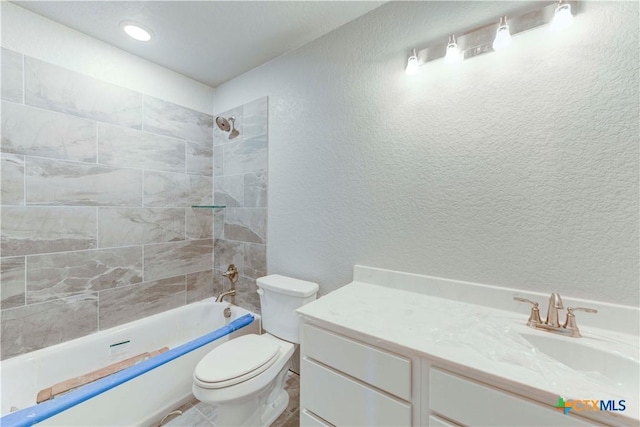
{"x":347,"y":382}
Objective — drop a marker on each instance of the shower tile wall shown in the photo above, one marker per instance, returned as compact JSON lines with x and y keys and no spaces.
{"x":240,"y":170}
{"x":97,"y":184}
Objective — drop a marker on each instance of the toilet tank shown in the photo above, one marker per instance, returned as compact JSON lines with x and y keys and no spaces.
{"x":280,"y":296}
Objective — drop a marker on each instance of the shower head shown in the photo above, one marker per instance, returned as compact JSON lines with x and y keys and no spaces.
{"x":223,"y":124}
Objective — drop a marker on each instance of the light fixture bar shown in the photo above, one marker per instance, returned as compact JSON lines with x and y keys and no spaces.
{"x":480,"y":40}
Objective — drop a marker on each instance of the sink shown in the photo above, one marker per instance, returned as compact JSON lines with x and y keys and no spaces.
{"x":619,"y":365}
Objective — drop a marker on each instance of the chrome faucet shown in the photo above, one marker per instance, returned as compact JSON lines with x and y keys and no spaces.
{"x":570,"y":327}
{"x":555,"y":304}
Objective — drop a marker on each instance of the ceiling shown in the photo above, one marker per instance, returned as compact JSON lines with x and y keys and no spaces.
{"x":208,"y":41}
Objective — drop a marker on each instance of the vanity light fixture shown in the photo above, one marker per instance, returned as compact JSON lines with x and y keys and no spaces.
{"x":503,"y":35}
{"x":487,"y":38}
{"x":453,"y":55}
{"x":562,"y":17}
{"x":136,"y":31}
{"x":412,"y":63}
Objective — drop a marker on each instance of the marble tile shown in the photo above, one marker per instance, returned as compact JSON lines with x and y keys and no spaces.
{"x":138,"y":226}
{"x":11,"y":73}
{"x":218,"y":161}
{"x":202,"y":285}
{"x":36,"y":326}
{"x":247,"y":295}
{"x":170,"y":259}
{"x":34,"y":230}
{"x":12,"y":179}
{"x":200,"y":223}
{"x":228,"y":190}
{"x":228,"y":252}
{"x":42,"y":133}
{"x":65,"y":274}
{"x":200,"y":158}
{"x":177,"y":190}
{"x":209,"y":411}
{"x":122,"y":305}
{"x":57,"y":182}
{"x":248,"y":155}
{"x":166,"y":118}
{"x":221,"y":137}
{"x":218,"y":223}
{"x":255,"y":189}
{"x":12,"y":282}
{"x":59,"y":89}
{"x":246,"y":224}
{"x":119,"y":146}
{"x":255,"y":118}
{"x":255,"y":260}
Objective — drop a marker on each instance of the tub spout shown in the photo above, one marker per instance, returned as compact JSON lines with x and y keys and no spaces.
{"x":230,"y":293}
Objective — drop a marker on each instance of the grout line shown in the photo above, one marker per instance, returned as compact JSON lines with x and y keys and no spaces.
{"x":24,"y":79}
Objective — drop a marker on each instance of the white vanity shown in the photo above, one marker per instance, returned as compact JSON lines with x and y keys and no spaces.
{"x":398,"y":349}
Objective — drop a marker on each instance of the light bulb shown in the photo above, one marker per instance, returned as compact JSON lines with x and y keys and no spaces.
{"x":503,"y":35}
{"x":136,"y":31}
{"x":412,"y":63}
{"x":562,"y":18}
{"x":453,"y":53}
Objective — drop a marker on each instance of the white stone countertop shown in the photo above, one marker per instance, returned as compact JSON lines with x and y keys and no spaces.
{"x":480,"y":342}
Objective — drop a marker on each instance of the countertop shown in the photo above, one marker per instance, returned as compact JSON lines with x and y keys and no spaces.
{"x":482,"y":342}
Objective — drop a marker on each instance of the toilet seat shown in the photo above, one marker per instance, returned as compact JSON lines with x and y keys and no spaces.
{"x":236,"y":361}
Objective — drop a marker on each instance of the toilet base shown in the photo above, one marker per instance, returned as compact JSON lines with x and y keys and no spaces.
{"x":260,"y":409}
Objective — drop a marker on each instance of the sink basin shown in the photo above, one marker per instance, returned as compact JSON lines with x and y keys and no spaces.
{"x":619,"y":366}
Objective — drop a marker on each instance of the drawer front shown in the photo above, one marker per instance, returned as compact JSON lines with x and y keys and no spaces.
{"x":309,"y":419}
{"x":435,"y":421}
{"x":471,"y":403}
{"x":343,"y":401}
{"x":379,"y":368}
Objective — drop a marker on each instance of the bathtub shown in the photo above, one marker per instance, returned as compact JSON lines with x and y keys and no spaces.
{"x":142,"y":401}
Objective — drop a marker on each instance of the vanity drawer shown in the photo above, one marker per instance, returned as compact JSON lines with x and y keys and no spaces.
{"x":344,"y":401}
{"x":387,"y":371}
{"x":470,"y":403}
{"x":309,"y":419}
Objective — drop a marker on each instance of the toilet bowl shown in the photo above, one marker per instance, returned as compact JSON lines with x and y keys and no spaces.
{"x":244,"y":378}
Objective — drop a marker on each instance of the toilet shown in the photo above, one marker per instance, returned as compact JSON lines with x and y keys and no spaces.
{"x":244,"y":378}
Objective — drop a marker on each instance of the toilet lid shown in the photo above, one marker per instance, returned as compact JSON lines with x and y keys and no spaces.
{"x":235,"y":361}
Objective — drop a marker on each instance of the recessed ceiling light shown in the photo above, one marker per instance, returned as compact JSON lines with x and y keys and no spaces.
{"x":136,"y":31}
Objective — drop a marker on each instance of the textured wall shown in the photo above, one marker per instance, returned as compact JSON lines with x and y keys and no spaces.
{"x":517,"y":169}
{"x":97,"y":184}
{"x":240,"y":170}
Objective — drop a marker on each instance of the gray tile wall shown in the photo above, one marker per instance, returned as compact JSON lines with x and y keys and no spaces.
{"x":241,"y":170}
{"x":97,"y":186}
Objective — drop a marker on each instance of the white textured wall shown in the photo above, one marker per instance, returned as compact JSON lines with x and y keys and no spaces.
{"x":33,"y":35}
{"x":516,"y":169}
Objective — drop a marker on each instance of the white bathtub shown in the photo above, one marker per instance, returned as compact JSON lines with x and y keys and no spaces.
{"x":139,"y":402}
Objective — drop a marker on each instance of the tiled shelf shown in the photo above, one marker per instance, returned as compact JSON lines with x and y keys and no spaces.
{"x":208,"y":206}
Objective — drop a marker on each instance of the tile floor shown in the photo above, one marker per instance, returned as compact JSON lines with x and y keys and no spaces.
{"x":198,"y":414}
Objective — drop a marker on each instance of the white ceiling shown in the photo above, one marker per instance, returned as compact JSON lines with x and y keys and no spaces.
{"x":209,"y":41}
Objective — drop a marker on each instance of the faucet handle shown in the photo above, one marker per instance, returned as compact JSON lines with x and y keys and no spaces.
{"x":571,"y":324}
{"x":534,"y":316}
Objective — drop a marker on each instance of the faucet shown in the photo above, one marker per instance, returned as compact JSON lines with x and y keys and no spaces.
{"x":555,"y":304}
{"x":232,"y":275}
{"x":230,"y":293}
{"x":570,"y":327}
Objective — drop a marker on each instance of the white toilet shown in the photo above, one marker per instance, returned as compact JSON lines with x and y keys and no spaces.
{"x":244,"y":378}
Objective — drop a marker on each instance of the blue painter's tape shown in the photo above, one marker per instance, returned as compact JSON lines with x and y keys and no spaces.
{"x":34,"y":414}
